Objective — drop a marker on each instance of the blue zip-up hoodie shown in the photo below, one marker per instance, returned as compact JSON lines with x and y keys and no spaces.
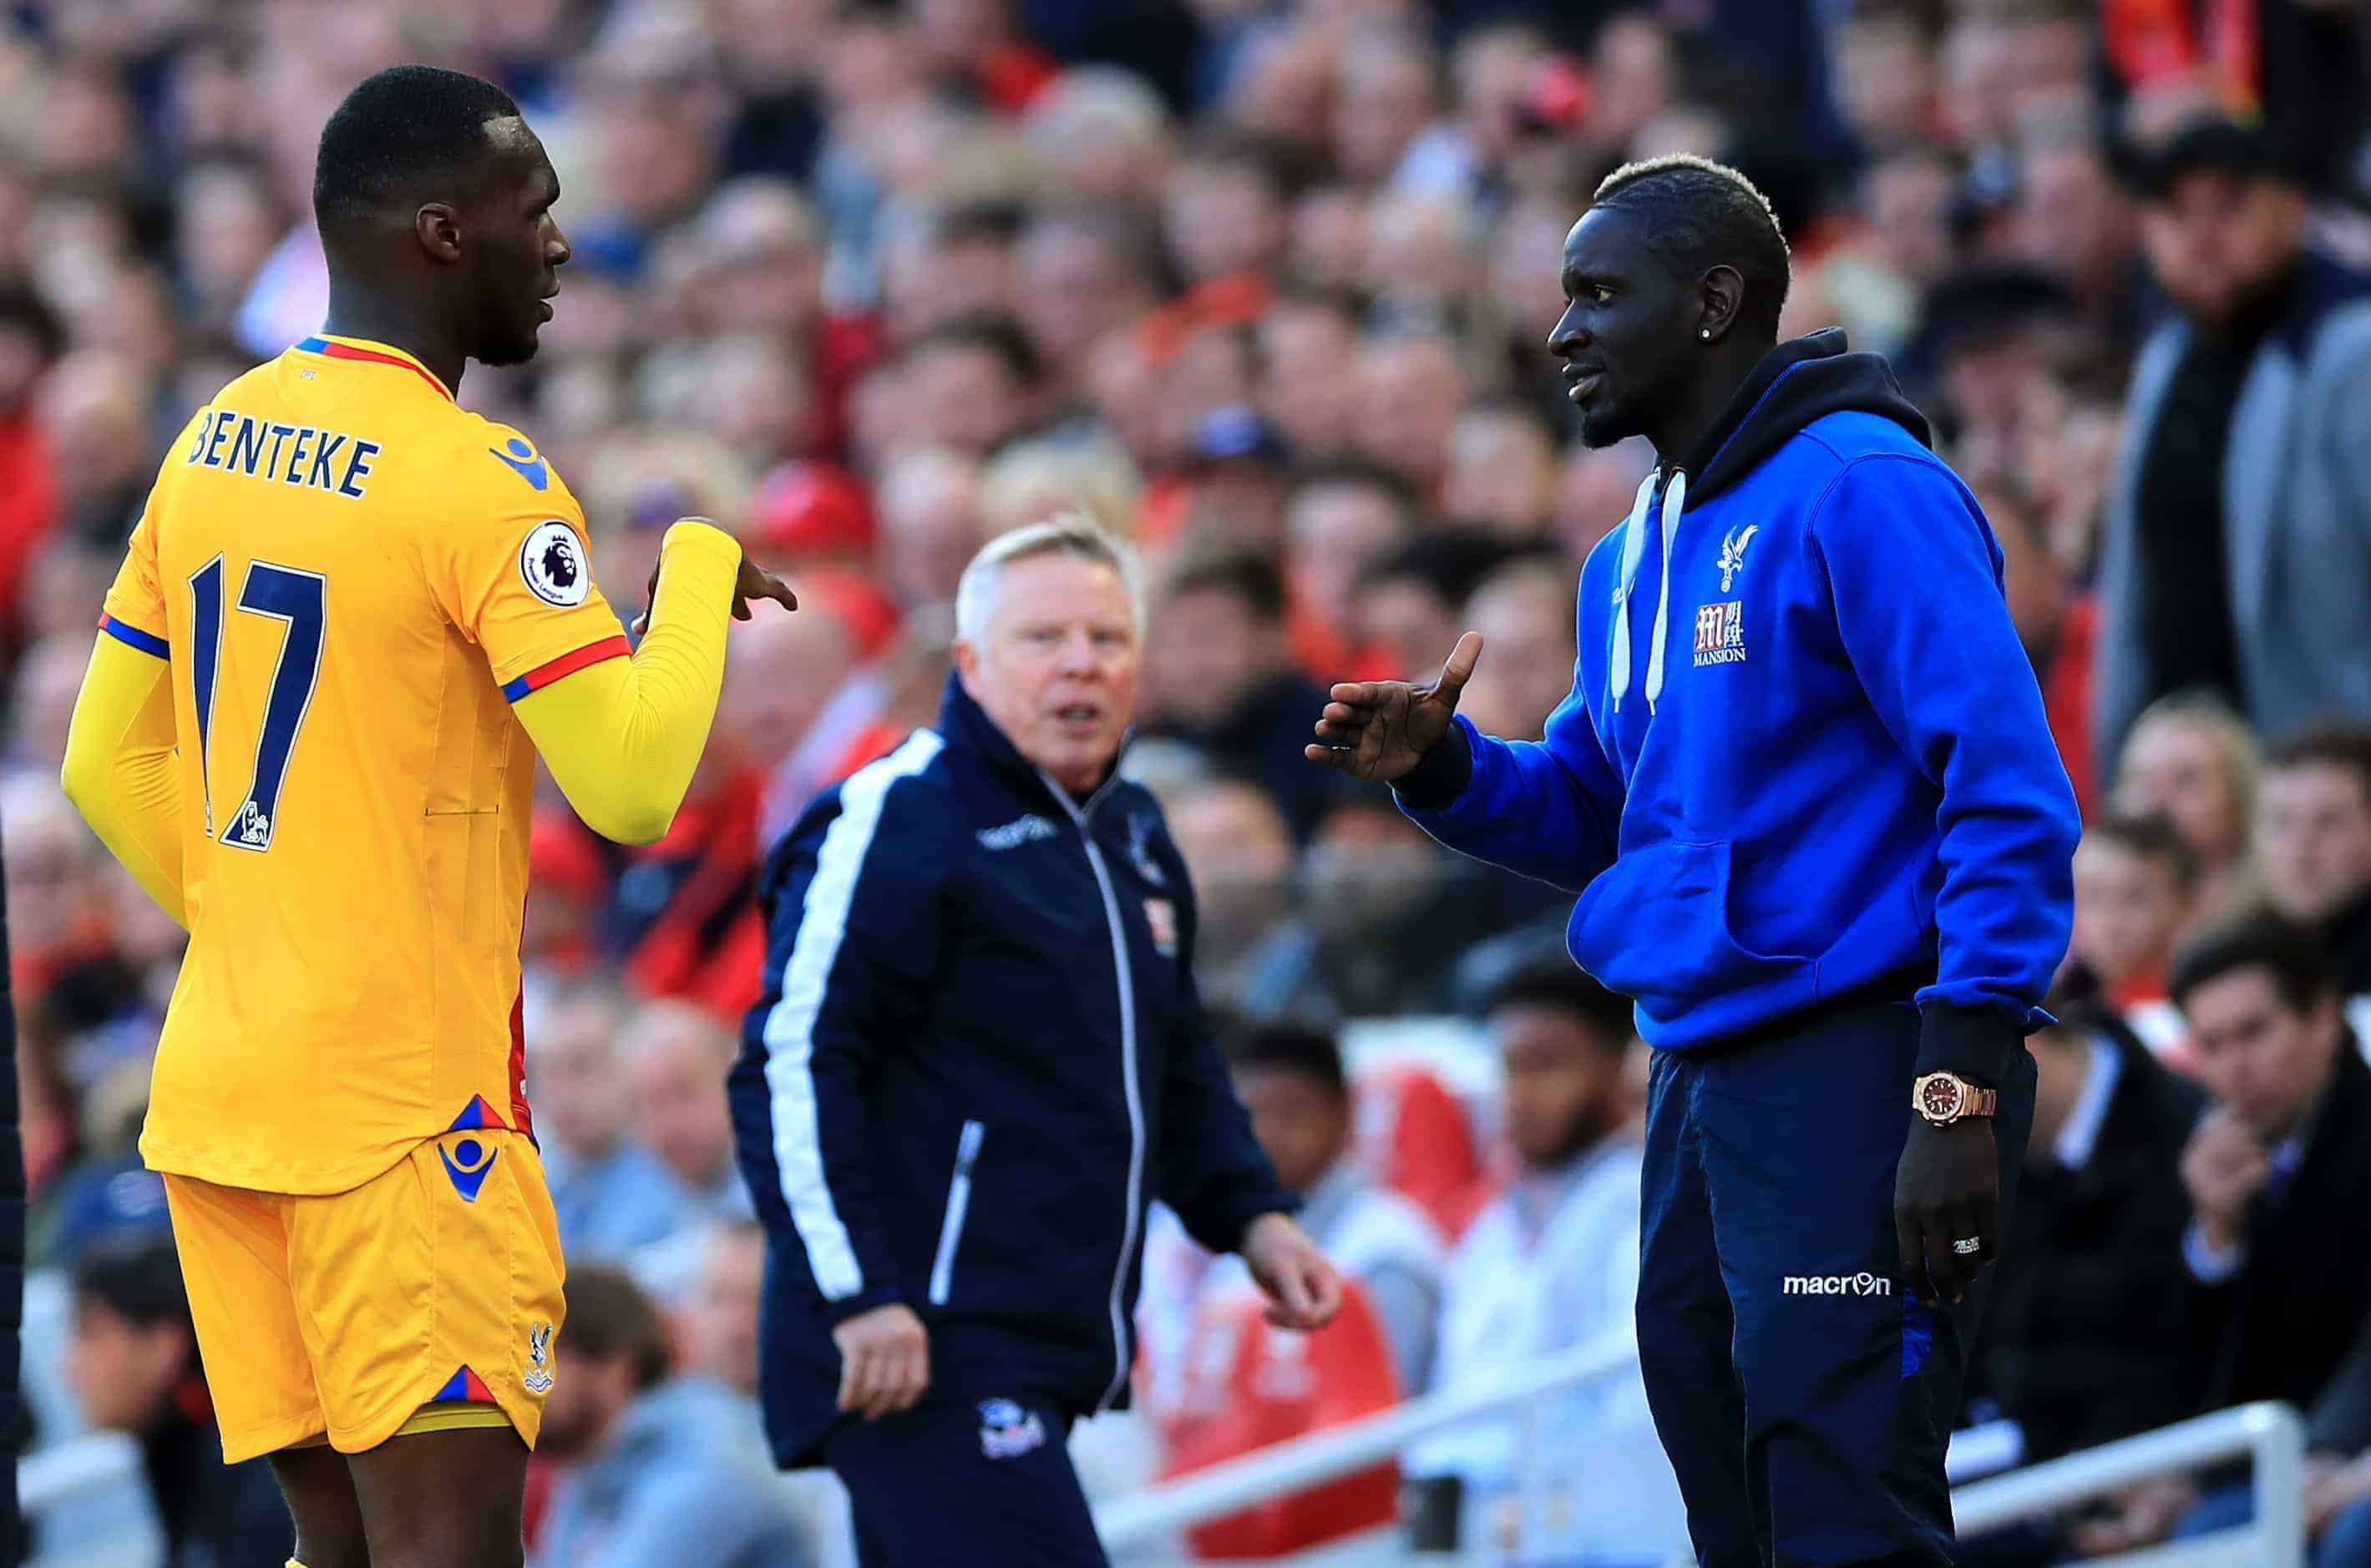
{"x":1804,"y":753}
{"x":978,"y":1058}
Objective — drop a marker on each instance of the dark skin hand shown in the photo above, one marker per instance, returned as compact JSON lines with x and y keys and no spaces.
{"x":1379,"y":730}
{"x":754,"y":582}
{"x":1947,"y":1189}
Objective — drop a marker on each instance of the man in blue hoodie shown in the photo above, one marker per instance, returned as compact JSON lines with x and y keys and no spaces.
{"x":1820,"y":835}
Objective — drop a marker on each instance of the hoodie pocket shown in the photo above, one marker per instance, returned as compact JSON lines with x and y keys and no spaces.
{"x":1655,"y":927}
{"x":943,"y":1263}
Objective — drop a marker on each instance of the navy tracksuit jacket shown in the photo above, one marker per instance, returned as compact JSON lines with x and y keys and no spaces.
{"x":1819,"y":831}
{"x":978,"y":1058}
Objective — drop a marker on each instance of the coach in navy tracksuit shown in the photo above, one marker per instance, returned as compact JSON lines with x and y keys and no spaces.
{"x":980,"y":1056}
{"x":1820,"y":833}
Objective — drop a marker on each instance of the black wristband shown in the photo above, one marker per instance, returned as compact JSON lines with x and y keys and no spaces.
{"x":1440,"y":776}
{"x":1974,"y":1043}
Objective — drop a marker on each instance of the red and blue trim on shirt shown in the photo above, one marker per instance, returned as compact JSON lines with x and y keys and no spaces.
{"x":147,"y":641}
{"x":329,"y":348}
{"x":544,"y":674}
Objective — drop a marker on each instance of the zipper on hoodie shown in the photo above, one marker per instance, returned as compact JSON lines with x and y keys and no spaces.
{"x":943,"y":1265}
{"x":1126,"y":974}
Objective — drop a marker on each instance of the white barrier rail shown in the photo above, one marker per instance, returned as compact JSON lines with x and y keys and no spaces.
{"x":1151,"y":1516}
{"x":2269,"y":1433}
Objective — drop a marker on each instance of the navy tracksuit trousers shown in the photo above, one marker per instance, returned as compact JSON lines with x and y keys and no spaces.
{"x":955,"y":1481}
{"x":1804,"y":1400}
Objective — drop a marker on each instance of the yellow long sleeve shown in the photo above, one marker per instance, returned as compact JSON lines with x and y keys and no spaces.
{"x":623,"y":737}
{"x":121,"y":771}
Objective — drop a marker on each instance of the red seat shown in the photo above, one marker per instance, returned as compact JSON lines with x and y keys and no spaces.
{"x":1248,"y":1385}
{"x":1417,"y":1139}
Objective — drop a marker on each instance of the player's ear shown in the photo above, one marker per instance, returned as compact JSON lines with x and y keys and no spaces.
{"x":437,"y":230}
{"x":1719,"y":292}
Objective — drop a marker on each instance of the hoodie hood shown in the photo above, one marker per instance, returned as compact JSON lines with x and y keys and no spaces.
{"x":1800,"y":381}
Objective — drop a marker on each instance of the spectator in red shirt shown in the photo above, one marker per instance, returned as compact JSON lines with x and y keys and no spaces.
{"x":28,"y":501}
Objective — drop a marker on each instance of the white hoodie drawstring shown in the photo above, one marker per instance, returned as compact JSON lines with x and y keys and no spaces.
{"x":1634,"y":548}
{"x":1676,"y":496}
{"x":1634,"y":551}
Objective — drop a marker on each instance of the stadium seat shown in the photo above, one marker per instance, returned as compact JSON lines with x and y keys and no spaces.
{"x":1247,"y":1385}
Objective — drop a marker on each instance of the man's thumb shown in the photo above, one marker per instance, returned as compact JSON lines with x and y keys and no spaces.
{"x":1460,"y":668}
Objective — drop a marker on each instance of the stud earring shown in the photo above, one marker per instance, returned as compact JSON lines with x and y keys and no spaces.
{"x":1705,"y":333}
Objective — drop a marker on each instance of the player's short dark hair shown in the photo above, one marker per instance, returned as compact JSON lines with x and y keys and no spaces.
{"x":2152,"y":836}
{"x":610,"y":1319}
{"x":997,"y":335}
{"x":135,"y":1274}
{"x":1290,"y":1048}
{"x":2345,"y":746}
{"x":397,"y":137}
{"x":1565,"y":987}
{"x":1701,"y":215}
{"x":2290,"y":954}
{"x":1252,"y":579}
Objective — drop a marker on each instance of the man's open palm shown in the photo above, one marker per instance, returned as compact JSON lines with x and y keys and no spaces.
{"x":1379,"y":730}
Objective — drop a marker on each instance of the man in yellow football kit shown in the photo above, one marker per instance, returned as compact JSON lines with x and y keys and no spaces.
{"x":350,"y":616}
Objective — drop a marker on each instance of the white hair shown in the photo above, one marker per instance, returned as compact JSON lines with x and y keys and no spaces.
{"x":1069,"y":533}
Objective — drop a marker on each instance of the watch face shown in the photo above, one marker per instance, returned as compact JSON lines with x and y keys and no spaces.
{"x":1940,"y":1098}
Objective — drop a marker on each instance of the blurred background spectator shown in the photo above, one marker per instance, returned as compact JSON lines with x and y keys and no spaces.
{"x":2235,"y":534}
{"x":1551,"y":1263}
{"x":2079,"y":1349}
{"x":2313,"y":835}
{"x":134,"y":1364}
{"x":1265,"y":287}
{"x":2135,"y":893}
{"x":1291,"y":1082}
{"x":650,"y":1465}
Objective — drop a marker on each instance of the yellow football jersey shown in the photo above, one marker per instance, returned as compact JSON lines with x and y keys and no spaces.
{"x":352,"y":578}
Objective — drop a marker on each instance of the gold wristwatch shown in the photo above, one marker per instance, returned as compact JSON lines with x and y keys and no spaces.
{"x":1946,"y":1098}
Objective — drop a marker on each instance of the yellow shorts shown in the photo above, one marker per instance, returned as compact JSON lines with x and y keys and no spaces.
{"x":435,"y":1284}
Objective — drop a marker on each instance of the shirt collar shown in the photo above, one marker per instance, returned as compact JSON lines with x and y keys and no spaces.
{"x":374,"y":353}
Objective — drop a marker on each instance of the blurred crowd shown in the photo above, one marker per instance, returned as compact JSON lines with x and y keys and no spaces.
{"x":1262,"y":285}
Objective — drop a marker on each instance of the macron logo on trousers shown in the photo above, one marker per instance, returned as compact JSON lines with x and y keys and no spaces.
{"x":1837,"y":1285}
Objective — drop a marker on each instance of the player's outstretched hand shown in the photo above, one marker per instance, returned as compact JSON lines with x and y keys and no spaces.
{"x":1379,"y":730}
{"x":884,"y":1361}
{"x":754,"y":582}
{"x":1302,"y":1289}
